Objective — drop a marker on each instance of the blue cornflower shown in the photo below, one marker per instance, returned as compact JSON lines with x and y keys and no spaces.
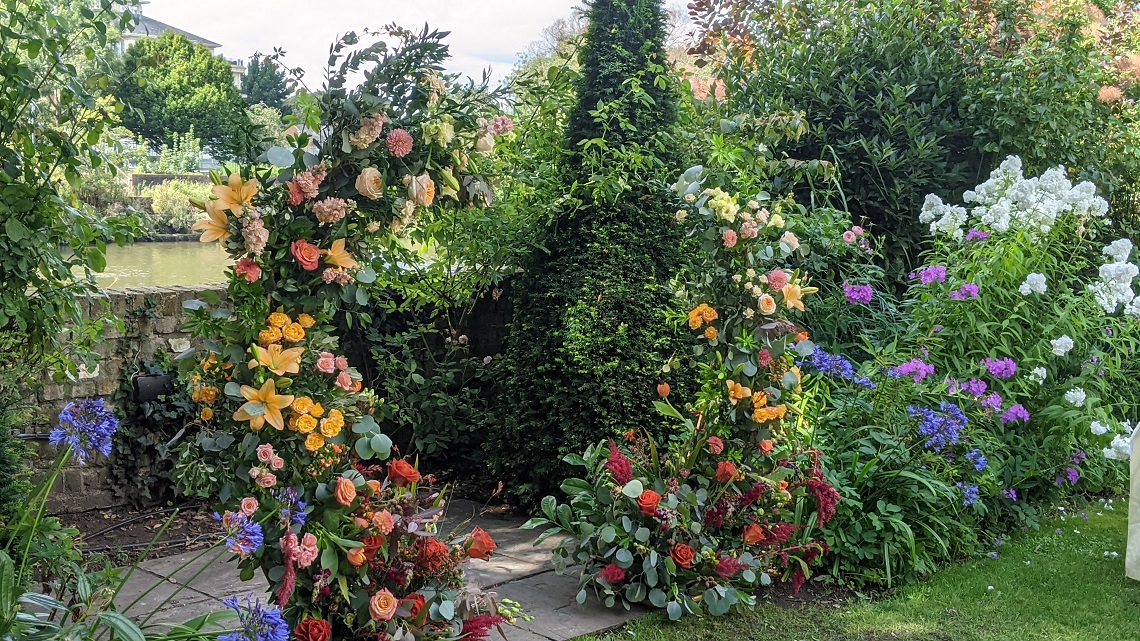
{"x":939,"y":428}
{"x":87,"y":426}
{"x":257,"y":623}
{"x":969,"y":493}
{"x":977,"y":459}
{"x":243,"y":536}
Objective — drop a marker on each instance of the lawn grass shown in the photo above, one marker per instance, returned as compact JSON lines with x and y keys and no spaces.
{"x":1068,"y":591}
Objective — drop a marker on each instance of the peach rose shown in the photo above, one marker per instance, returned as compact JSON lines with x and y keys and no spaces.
{"x":767,"y":304}
{"x":382,"y":606}
{"x":401,"y":473}
{"x":421,"y":189}
{"x":248,"y":506}
{"x":266,"y":480}
{"x":373,"y":486}
{"x":344,"y":381}
{"x":479,"y":544}
{"x":345,"y":491}
{"x":293,"y":332}
{"x":766,"y":446}
{"x":648,"y":502}
{"x":370,"y":183}
{"x":307,"y":254}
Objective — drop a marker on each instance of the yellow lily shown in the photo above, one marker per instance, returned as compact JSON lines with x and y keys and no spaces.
{"x":736,"y":392}
{"x":268,"y":401}
{"x":215,"y":227}
{"x":236,"y":194}
{"x":793,"y":296}
{"x":277,"y":360}
{"x":339,"y":257}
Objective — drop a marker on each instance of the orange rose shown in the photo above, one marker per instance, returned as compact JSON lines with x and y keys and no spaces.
{"x":345,"y":491}
{"x":314,"y":442}
{"x":373,"y":486}
{"x":766,"y":446}
{"x":313,"y":630}
{"x":683,"y":555}
{"x":305,"y":321}
{"x":725,"y":472}
{"x":302,"y":404}
{"x":293,"y":332}
{"x":356,"y":557}
{"x":269,"y":336}
{"x":307,"y":254}
{"x":754,"y":534}
{"x":402,"y":473}
{"x":648,"y":501}
{"x":278,"y":320}
{"x":415,"y":603}
{"x":207,"y":414}
{"x":382,"y":606}
{"x":306,"y":424}
{"x":711,"y":333}
{"x":479,"y":544}
{"x":782,"y":485}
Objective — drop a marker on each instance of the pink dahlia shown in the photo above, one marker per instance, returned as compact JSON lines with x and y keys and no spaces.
{"x":248,"y":269}
{"x":399,"y":143}
{"x":777,"y":278}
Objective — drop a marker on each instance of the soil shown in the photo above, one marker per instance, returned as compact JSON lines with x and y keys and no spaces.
{"x":124,"y":533}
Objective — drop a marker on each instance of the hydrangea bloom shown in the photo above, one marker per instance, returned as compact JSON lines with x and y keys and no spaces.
{"x":1062,"y":345}
{"x":1119,"y":250}
{"x":1120,"y":449}
{"x":940,"y":428}
{"x":257,"y":623}
{"x":1008,"y":200}
{"x":1075,"y":396}
{"x":1038,"y":375}
{"x":1001,"y":368}
{"x":87,"y":426}
{"x":1098,"y":428}
{"x":977,"y":459}
{"x":1034,"y":284}
{"x":943,"y":218}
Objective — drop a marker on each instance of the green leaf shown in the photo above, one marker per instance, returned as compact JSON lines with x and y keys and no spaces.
{"x":657,"y":598}
{"x":366,"y":276}
{"x":124,"y":628}
{"x":16,"y":230}
{"x":381,"y":445}
{"x":329,"y":560}
{"x":674,"y":610}
{"x":280,"y":156}
{"x":667,"y":410}
{"x":633,"y":489}
{"x":364,"y":448}
{"x":581,"y":597}
{"x":447,"y":610}
{"x":365,"y":425}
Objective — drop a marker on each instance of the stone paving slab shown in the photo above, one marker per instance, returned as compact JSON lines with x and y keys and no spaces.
{"x":550,"y":598}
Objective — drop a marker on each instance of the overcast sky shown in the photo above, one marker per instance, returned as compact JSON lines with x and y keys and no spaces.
{"x":484,"y":33}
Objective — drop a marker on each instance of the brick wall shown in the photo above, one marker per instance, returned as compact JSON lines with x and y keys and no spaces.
{"x":152,"y":317}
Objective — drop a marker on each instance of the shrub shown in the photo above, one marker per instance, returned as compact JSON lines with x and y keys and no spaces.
{"x":171,"y":210}
{"x":589,"y":332}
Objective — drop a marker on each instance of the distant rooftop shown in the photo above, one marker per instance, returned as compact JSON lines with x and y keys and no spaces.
{"x":149,"y":27}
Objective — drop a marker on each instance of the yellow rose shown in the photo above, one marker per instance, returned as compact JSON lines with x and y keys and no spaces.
{"x":291,"y":423}
{"x":269,"y":336}
{"x":302,"y":404}
{"x":336,"y":417}
{"x":317,"y":410}
{"x":306,"y":423}
{"x":767,"y":304}
{"x":293,"y":332}
{"x":329,"y":428}
{"x":710,"y":333}
{"x":305,"y":321}
{"x":207,"y":414}
{"x":314,"y":442}
{"x":370,"y":183}
{"x":278,"y":320}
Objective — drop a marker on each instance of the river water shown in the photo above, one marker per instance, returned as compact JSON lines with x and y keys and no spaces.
{"x":160,"y":264}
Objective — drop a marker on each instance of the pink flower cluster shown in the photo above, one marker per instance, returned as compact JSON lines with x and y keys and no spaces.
{"x":749,"y":230}
{"x":399,"y":143}
{"x":302,"y":553}
{"x":270,"y":461}
{"x":328,"y":363}
{"x":255,"y":234}
{"x":330,"y":210}
{"x":369,"y":131}
{"x":852,"y":234}
{"x":777,"y":278}
{"x":729,"y":239}
{"x":305,"y":185}
{"x":338,"y":276}
{"x":248,"y":269}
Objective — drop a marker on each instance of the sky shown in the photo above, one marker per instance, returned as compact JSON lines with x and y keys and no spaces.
{"x":484,"y":33}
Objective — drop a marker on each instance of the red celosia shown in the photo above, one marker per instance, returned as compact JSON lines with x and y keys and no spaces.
{"x":826,"y":498}
{"x":798,"y":578}
{"x":289,"y":581}
{"x":727,"y":567}
{"x":782,"y":531}
{"x":612,"y":574}
{"x":478,"y":627}
{"x":619,"y":465}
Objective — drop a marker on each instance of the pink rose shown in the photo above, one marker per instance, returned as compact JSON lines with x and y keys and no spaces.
{"x":254,"y":472}
{"x":306,"y":253}
{"x":729,"y":239}
{"x":277,"y":463}
{"x":249,"y":506}
{"x":266,"y":480}
{"x":848,"y":236}
{"x":749,"y":230}
{"x":777,"y":279}
{"x":307,"y":552}
{"x":341,"y":363}
{"x":248,"y":269}
{"x":344,"y":381}
{"x":858,"y":230}
{"x":716,"y":446}
{"x":326,"y":363}
{"x":265,"y":453}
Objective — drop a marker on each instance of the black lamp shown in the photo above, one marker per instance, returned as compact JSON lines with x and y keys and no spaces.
{"x":148,"y":387}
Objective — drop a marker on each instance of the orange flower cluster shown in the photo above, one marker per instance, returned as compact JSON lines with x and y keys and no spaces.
{"x":768,"y":414}
{"x":281,"y":327}
{"x":700,"y":315}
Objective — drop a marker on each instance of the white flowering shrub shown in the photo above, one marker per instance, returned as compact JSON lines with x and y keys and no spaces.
{"x":1021,"y":298}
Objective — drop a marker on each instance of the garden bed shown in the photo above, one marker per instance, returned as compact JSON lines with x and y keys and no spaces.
{"x":124,"y":534}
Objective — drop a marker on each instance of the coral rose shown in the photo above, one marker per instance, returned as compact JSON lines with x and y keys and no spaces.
{"x":356,"y":557}
{"x":766,"y":446}
{"x":401,"y":473}
{"x":725,"y":472}
{"x":648,"y":502}
{"x":716,"y":446}
{"x":344,"y":381}
{"x":370,"y":183}
{"x":382,"y":606}
{"x":313,"y":630}
{"x":683,"y":555}
{"x":307,"y":254}
{"x":479,"y":544}
{"x":248,"y":506}
{"x":345,"y":491}
{"x":754,"y":534}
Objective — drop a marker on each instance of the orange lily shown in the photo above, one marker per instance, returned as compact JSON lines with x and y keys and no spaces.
{"x":277,"y":360}
{"x":216,"y":227}
{"x":793,"y":296}
{"x":236,"y":195}
{"x":268,"y":401}
{"x":736,"y":391}
{"x":339,"y":257}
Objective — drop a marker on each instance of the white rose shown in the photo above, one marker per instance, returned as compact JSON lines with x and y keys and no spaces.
{"x":370,"y":183}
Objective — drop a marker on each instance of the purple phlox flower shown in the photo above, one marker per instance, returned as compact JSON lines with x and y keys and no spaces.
{"x":243,"y":536}
{"x":969,"y":493}
{"x":937,"y":328}
{"x":837,"y":366}
{"x":976,"y":235}
{"x":1015,"y":413}
{"x":1072,"y":475}
{"x":974,"y":387}
{"x":1108,"y":330}
{"x":953,"y":386}
{"x":1000,"y":368}
{"x":257,"y":623}
{"x":932,"y":274}
{"x":1079,"y":457}
{"x":994,"y":555}
{"x":940,"y":428}
{"x":1009,"y":493}
{"x":915,"y":368}
{"x":977,"y":459}
{"x":966,"y":291}
{"x":88,"y":426}
{"x":998,"y":541}
{"x":858,"y":294}
{"x":991,"y":401}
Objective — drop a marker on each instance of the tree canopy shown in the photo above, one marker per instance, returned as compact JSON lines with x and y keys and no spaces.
{"x":265,"y":83}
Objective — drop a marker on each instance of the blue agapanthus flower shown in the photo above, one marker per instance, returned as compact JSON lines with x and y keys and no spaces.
{"x":243,"y":536}
{"x":87,"y":426}
{"x":257,"y":623}
{"x":836,"y":366}
{"x":969,"y":493}
{"x":939,"y":427}
{"x":292,"y":507}
{"x":977,"y":459}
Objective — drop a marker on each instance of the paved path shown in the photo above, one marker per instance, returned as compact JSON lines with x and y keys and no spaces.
{"x":517,"y":571}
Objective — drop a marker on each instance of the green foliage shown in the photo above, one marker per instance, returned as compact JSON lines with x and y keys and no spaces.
{"x":181,"y":155}
{"x":14,"y":415}
{"x":142,"y":460}
{"x":589,"y":332}
{"x":50,"y":125}
{"x":173,"y":86}
{"x":171,"y":211}
{"x":265,"y":83}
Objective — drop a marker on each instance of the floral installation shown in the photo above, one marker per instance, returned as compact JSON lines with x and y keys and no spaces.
{"x":311,"y":495}
{"x":728,"y":504}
